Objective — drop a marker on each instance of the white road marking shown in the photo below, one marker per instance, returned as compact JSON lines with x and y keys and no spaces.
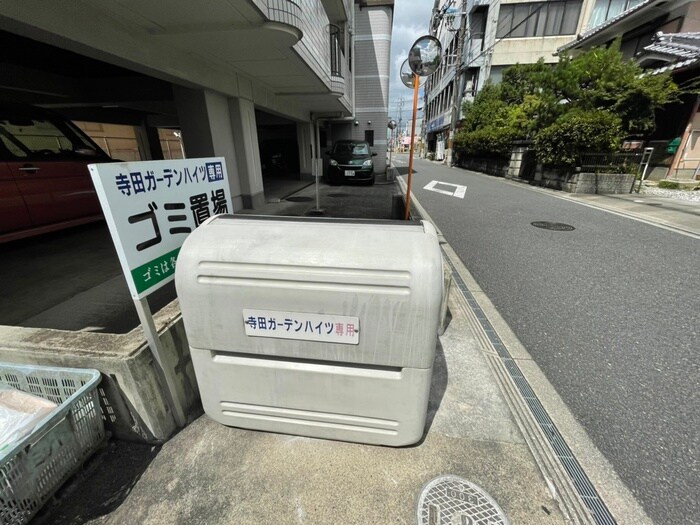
{"x":459,"y":190}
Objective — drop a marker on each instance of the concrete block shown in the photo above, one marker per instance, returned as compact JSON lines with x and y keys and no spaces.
{"x":132,"y":399}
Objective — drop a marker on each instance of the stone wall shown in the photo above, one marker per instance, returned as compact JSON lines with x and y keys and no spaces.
{"x":498,"y":167}
{"x":588,"y":182}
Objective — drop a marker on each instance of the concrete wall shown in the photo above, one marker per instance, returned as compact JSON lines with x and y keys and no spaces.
{"x":371,"y":67}
{"x":132,"y":399}
{"x":498,"y":167}
{"x":588,"y":182}
{"x":511,"y":51}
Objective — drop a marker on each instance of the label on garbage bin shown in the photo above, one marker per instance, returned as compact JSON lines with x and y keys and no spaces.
{"x":304,"y":326}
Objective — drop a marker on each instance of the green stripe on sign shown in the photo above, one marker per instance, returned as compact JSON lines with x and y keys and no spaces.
{"x":159,"y":269}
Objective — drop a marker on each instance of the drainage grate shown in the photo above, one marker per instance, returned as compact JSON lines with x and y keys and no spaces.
{"x":599,"y":511}
{"x":450,"y":499}
{"x":338,"y":194}
{"x":556,"y":226}
{"x":299,"y":199}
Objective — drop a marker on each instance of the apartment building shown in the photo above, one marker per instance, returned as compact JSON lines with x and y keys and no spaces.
{"x":373,"y":20}
{"x":481,"y":39}
{"x":237,"y":78}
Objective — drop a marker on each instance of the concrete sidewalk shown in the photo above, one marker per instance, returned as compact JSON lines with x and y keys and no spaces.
{"x":214,"y":474}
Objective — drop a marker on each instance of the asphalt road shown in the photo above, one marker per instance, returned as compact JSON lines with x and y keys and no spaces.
{"x":609,"y":311}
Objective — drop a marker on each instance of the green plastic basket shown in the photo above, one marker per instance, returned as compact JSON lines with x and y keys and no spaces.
{"x":37,"y":465}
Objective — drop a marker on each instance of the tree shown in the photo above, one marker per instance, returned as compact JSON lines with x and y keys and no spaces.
{"x":577,"y":131}
{"x":601,"y":79}
{"x":485,"y":132}
{"x":592,"y":101}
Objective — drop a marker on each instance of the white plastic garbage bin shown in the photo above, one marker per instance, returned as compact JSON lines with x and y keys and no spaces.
{"x":317,"y":327}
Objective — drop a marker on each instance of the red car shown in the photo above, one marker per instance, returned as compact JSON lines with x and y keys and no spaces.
{"x":44,"y":181}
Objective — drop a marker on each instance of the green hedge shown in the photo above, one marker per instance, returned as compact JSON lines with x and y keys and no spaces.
{"x":574,"y":132}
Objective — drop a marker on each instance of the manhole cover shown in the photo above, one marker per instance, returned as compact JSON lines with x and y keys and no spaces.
{"x":556,"y":226}
{"x":449,"y":500}
{"x":299,"y":199}
{"x":338,"y":194}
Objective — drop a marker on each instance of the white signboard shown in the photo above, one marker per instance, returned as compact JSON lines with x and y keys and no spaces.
{"x":152,"y":206}
{"x":456,"y":190}
{"x":307,"y":327}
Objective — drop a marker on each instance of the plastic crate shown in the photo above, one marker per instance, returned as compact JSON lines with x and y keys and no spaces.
{"x":33,"y":469}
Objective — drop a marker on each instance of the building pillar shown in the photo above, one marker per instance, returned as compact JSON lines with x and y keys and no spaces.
{"x":516,"y":162}
{"x":305,"y":140}
{"x":206,"y":131}
{"x":245,"y":138}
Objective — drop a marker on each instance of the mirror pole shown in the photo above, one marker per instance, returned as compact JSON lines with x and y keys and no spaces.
{"x":413,"y":141}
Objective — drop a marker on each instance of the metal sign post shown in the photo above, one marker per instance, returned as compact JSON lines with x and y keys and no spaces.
{"x":392,"y":126}
{"x":150,"y":208}
{"x":149,"y":331}
{"x":317,"y":170}
{"x":423,"y":60}
{"x":416,"y":82}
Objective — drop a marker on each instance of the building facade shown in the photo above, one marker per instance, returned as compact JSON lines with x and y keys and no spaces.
{"x":370,"y":82}
{"x":482,"y":38}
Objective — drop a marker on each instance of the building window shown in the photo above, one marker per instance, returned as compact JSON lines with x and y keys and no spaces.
{"x":336,"y":51}
{"x":539,"y":19}
{"x":369,"y":136}
{"x":606,"y":9}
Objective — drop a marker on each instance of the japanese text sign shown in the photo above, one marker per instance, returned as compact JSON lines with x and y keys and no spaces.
{"x":152,"y":206}
{"x":307,"y":327}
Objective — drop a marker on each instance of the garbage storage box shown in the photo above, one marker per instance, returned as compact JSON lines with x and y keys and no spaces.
{"x":317,"y":327}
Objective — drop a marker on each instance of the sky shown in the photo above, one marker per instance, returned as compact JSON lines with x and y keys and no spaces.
{"x":411,"y":19}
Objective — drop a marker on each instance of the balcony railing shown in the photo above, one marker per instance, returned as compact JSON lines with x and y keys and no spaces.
{"x":285,"y":11}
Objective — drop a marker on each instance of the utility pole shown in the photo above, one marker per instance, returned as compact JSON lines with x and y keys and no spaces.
{"x":456,"y":95}
{"x":399,"y":128}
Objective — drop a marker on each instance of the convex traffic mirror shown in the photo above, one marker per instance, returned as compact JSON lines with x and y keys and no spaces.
{"x":406,"y":75}
{"x":425,"y":56}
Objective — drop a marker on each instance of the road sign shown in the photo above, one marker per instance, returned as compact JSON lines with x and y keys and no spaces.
{"x":152,"y":206}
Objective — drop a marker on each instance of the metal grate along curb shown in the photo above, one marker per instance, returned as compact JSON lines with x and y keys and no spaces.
{"x":555,"y":476}
{"x":585,"y":490}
